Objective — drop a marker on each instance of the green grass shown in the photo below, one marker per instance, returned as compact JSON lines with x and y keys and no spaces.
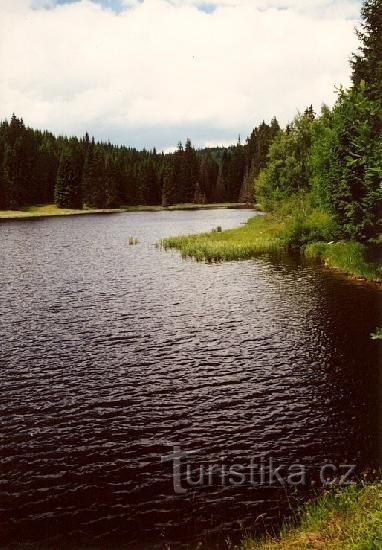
{"x":272,"y":233}
{"x":46,"y":210}
{"x":260,"y":234}
{"x":346,"y":256}
{"x":350,"y":518}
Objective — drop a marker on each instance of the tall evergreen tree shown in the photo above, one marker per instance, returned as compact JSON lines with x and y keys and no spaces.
{"x":190,"y":172}
{"x":67,"y":191}
{"x":93,"y":180}
{"x":169,"y":190}
{"x":4,"y":184}
{"x":367,"y":63}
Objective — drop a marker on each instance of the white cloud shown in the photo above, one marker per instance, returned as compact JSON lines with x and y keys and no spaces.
{"x":159,"y":68}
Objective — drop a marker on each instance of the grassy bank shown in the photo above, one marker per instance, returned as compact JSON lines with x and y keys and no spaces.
{"x":348,"y":519}
{"x":46,"y":210}
{"x":262,"y":234}
{"x":346,"y":256}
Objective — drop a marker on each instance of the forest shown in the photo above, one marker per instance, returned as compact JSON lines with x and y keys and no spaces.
{"x":326,"y":165}
{"x":37,"y":167}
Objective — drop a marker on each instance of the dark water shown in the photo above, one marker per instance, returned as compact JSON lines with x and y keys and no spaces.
{"x":112,"y":354}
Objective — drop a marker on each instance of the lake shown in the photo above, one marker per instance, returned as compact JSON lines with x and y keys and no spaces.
{"x":111,"y":355}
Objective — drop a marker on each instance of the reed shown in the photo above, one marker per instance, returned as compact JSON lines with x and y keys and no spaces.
{"x":260,"y":234}
{"x":272,"y":233}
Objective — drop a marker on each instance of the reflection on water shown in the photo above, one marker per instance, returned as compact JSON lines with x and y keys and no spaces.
{"x":111,"y":354}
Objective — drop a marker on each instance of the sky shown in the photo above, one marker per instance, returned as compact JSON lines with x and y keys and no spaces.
{"x":147,"y":73}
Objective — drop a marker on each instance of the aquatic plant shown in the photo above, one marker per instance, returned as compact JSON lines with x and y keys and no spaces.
{"x":377,"y":335}
{"x":257,"y":236}
{"x":274,"y":234}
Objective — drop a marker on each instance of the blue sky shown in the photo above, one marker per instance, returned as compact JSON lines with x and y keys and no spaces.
{"x":118,"y":5}
{"x":153,"y":72}
{"x":115,"y":5}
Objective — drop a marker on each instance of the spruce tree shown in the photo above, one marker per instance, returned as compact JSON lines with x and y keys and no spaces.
{"x":93,"y":179}
{"x":4,"y":184}
{"x":169,"y":190}
{"x":367,"y":63}
{"x":67,"y":190}
{"x":190,"y":172}
{"x":208,"y":173}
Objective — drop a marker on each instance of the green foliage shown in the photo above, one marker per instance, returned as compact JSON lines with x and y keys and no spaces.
{"x":288,"y":170}
{"x":337,"y":158}
{"x":377,"y":335}
{"x":367,"y":63}
{"x":346,"y":162}
{"x":308,"y":225}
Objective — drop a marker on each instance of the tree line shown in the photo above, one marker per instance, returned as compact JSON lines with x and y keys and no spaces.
{"x":36,"y":167}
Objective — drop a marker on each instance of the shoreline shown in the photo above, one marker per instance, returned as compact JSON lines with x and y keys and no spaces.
{"x":50,"y":210}
{"x":342,"y":518}
{"x":264,"y":234}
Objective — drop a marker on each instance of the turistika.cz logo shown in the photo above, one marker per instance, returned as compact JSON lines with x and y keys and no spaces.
{"x":259,"y":471}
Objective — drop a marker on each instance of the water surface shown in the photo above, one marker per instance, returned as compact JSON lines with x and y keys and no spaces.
{"x":111,"y":354}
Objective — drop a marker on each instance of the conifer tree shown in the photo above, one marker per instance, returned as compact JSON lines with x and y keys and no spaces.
{"x":207,"y":180}
{"x":367,"y":63}
{"x":67,"y":191}
{"x":190,"y":172}
{"x":169,"y":191}
{"x":4,"y":184}
{"x":93,"y":180}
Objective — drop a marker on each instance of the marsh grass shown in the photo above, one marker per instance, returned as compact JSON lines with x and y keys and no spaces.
{"x":349,"y":518}
{"x":133,"y":241}
{"x":258,"y":235}
{"x":347,"y":256}
{"x":275,"y":233}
